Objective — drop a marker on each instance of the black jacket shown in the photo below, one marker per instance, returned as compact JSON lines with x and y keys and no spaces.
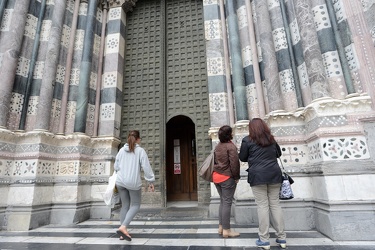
{"x":263,"y":166}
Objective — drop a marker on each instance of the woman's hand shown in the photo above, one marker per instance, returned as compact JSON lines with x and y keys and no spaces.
{"x":237,"y":181}
{"x":151,"y":187}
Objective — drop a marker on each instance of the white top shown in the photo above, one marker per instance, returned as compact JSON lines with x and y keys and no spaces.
{"x":128,"y":166}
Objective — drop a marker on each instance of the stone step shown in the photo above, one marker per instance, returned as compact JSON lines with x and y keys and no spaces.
{"x":169,"y":233}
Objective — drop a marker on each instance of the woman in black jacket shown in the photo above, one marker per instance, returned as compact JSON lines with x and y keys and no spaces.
{"x":261,"y":151}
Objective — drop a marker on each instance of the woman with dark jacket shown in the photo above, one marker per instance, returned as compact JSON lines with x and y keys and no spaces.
{"x":225,"y":176}
{"x":261,"y":151}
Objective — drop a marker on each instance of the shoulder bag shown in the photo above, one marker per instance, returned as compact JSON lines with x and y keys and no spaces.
{"x":207,"y":167}
{"x":286,"y":192}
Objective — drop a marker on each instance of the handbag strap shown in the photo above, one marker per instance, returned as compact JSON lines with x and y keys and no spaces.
{"x":282,"y":166}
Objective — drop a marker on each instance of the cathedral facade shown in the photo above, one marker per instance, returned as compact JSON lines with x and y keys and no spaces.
{"x":77,"y":75}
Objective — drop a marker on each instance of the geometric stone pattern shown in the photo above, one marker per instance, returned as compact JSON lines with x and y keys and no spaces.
{"x":339,"y":148}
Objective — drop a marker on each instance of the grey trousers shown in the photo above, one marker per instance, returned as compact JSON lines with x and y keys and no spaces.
{"x":268,"y":204}
{"x":131,"y":202}
{"x":226,"y":191}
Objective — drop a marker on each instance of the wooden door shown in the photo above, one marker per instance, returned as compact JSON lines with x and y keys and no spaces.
{"x":181,"y":166}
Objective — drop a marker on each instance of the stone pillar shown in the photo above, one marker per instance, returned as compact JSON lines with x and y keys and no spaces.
{"x":310,"y":47}
{"x":298,"y":53}
{"x":85,"y":70}
{"x":362,"y":50}
{"x":111,"y":106}
{"x":100,"y":69}
{"x":32,"y":65}
{"x":286,"y":78}
{"x":228,"y":78}
{"x":328,"y":48}
{"x":216,"y":73}
{"x":3,"y":4}
{"x":238,"y":77}
{"x":247,"y":59}
{"x":269,"y":64}
{"x":48,"y":82}
{"x":68,"y":68}
{"x":255,"y":59}
{"x":10,"y":46}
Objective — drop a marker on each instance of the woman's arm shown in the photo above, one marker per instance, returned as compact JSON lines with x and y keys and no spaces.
{"x":244,"y":151}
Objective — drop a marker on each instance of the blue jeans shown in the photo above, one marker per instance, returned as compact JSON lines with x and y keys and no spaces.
{"x":226,"y":191}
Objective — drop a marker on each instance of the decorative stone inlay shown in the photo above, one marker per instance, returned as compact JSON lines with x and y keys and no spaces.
{"x":7,"y":16}
{"x":339,"y":148}
{"x":218,"y":102}
{"x":212,"y":29}
{"x":215,"y":66}
{"x":294,"y":154}
{"x":210,"y":2}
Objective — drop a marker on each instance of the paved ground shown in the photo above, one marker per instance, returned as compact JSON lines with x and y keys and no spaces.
{"x":170,"y":230}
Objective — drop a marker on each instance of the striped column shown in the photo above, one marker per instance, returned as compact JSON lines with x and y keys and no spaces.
{"x":238,"y":77}
{"x":360,"y":53}
{"x":269,"y":67}
{"x":85,"y":70}
{"x":298,"y":53}
{"x":310,"y":47}
{"x":348,"y":45}
{"x":328,"y":48}
{"x":66,"y":74}
{"x":112,"y":83}
{"x":44,"y":106}
{"x":283,"y":59}
{"x":100,"y":68}
{"x":10,"y":46}
{"x":247,"y":59}
{"x":216,"y":74}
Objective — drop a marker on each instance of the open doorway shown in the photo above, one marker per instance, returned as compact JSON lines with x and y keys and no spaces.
{"x":181,"y":164}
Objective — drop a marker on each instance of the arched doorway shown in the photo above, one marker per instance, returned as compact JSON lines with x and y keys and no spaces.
{"x":181,"y":164}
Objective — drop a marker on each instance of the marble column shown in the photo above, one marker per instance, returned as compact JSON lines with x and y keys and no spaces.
{"x":292,"y":59}
{"x":52,"y":55}
{"x":113,"y":74}
{"x":298,"y":53}
{"x":3,"y":4}
{"x":363,"y":44}
{"x":216,"y":67}
{"x":328,"y":48}
{"x":269,"y":66}
{"x":238,"y":77}
{"x":247,"y":59}
{"x":255,"y":60}
{"x":100,"y":69}
{"x":85,"y":70}
{"x":311,"y":49}
{"x":10,"y":46}
{"x":340,"y":48}
{"x":68,"y":68}
{"x":283,"y":58}
{"x":30,"y":76}
{"x":228,"y":78}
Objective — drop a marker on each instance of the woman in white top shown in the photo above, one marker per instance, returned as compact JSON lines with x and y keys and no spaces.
{"x":130,"y":159}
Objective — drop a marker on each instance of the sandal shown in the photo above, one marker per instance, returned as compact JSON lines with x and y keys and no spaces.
{"x":126,"y":237}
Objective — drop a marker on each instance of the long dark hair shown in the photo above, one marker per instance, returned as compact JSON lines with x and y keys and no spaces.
{"x":132,"y":138}
{"x":260,"y":133}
